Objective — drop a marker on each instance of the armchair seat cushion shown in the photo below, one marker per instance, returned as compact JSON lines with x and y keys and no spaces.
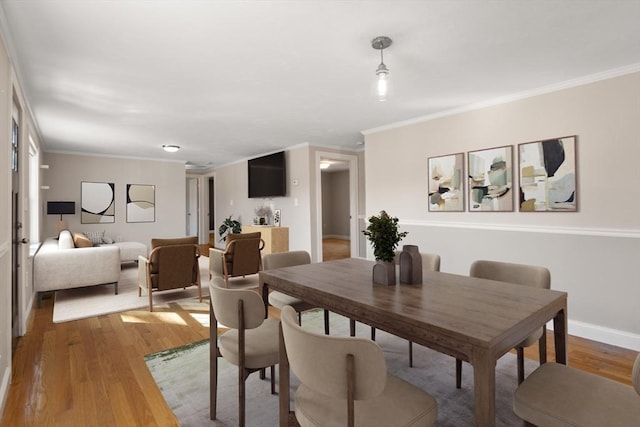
{"x":400,"y":404}
{"x":556,"y":395}
{"x":261,"y":345}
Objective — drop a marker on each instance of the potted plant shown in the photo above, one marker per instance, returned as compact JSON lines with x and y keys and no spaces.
{"x":383,"y":234}
{"x":228,"y":226}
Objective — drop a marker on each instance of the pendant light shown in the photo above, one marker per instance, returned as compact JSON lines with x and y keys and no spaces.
{"x":382,"y":73}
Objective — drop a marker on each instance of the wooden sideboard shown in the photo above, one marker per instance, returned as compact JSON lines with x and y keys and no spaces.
{"x":276,"y":239}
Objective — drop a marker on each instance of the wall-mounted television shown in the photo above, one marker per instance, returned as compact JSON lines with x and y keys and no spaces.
{"x":267,"y":176}
{"x":61,"y":208}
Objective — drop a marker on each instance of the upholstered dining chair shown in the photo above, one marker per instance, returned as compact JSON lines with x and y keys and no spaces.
{"x":171,"y":264}
{"x":279,"y":299}
{"x":562,"y":396}
{"x":344,"y":382}
{"x":430,"y":262}
{"x":240,"y":258}
{"x":519,"y":274}
{"x":252,"y":342}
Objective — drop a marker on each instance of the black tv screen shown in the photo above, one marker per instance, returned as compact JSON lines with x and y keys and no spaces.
{"x":267,"y":176}
{"x":61,"y":208}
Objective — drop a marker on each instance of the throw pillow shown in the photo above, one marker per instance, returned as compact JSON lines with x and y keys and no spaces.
{"x":108,"y":240}
{"x":81,"y":241}
{"x":95,"y":236}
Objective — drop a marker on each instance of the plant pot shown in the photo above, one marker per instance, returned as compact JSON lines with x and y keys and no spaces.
{"x":410,"y":265}
{"x":384,"y":273}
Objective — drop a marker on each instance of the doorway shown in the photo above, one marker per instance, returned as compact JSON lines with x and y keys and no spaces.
{"x":15,"y":230}
{"x":339,"y":223}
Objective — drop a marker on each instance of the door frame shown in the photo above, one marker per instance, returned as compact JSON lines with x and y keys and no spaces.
{"x":352,"y":160}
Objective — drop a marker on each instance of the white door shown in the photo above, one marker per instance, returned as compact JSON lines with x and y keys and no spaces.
{"x":192,"y":206}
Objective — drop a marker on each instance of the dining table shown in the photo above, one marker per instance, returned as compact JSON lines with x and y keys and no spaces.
{"x":472,"y":319}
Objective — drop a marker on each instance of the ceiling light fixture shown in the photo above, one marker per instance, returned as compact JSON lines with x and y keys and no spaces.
{"x":170,"y":148}
{"x":324,"y":164}
{"x":382,"y":73}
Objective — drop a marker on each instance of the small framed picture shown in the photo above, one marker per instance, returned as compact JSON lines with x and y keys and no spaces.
{"x":276,"y":217}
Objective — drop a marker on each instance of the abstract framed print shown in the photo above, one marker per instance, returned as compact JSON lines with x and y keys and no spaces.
{"x":446,"y":183}
{"x":97,"y":202}
{"x":547,"y":172}
{"x":141,"y":203}
{"x":491,"y":180}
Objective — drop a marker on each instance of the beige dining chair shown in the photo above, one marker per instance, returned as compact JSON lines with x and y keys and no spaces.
{"x":430,"y":262}
{"x":279,"y":299}
{"x":344,"y":382}
{"x":562,"y":396}
{"x":519,"y":274}
{"x":252,"y":342}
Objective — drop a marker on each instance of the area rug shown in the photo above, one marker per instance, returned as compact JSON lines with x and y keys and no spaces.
{"x":182,"y":376}
{"x":81,"y":303}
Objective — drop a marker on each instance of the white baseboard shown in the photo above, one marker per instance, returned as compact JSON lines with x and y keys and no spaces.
{"x":601,"y":334}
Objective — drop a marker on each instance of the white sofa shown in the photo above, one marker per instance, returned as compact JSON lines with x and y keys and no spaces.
{"x":58,"y":264}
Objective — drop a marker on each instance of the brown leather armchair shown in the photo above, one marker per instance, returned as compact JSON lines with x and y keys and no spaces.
{"x":172,"y":264}
{"x":240,"y":258}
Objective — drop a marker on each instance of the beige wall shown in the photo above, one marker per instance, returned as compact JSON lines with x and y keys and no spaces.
{"x":67,"y":171}
{"x":592,"y":254}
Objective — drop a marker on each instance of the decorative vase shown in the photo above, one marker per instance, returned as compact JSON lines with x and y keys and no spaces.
{"x":384,"y":273}
{"x":410,"y":265}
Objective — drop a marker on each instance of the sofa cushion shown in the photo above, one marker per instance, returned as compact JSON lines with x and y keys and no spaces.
{"x":95,"y":236}
{"x":65,"y":240}
{"x":81,"y":241}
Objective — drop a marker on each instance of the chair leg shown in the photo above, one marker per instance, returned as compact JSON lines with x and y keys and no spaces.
{"x":213,"y":380}
{"x":273,"y":379}
{"x":241,"y":396}
{"x":326,"y":322}
{"x":352,"y":327}
{"x":262,"y":374}
{"x":373,"y":333}
{"x":300,"y":318}
{"x":458,"y":373}
{"x":520,"y":352}
{"x":410,"y":354}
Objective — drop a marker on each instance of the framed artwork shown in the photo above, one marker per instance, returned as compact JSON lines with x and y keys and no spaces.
{"x":491,"y":180}
{"x":276,"y":217}
{"x":141,"y":203}
{"x":446,"y":183}
{"x":548,"y":175}
{"x":97,"y":202}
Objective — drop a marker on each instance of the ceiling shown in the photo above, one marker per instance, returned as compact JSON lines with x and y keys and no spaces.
{"x":227,"y":80}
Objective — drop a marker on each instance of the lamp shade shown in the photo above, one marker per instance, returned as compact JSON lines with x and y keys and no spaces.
{"x":61,"y":208}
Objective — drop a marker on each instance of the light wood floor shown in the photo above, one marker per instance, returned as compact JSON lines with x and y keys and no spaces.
{"x":335,"y":249}
{"x":92,"y":373}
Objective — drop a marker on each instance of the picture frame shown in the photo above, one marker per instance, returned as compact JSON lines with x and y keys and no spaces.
{"x":548,"y":176}
{"x":97,"y":201}
{"x":276,"y":217}
{"x":141,"y":203}
{"x":445,"y":183}
{"x":490,"y":175}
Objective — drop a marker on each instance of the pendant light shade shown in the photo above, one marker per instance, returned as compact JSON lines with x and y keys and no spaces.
{"x":382,"y":73}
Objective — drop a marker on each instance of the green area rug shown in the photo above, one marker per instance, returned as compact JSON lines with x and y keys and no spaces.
{"x":182,"y":374}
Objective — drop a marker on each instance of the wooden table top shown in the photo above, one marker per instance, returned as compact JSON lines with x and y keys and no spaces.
{"x":447,"y":312}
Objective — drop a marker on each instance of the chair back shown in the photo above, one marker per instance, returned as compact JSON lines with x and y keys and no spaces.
{"x":320,"y":361}
{"x":430,"y":262}
{"x":177,"y":267}
{"x":225,"y":305}
{"x":636,"y":374}
{"x":285,"y":259}
{"x":521,"y":274}
{"x":242,"y":254}
{"x":155,"y":243}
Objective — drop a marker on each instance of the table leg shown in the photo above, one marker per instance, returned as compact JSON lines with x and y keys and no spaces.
{"x":484,"y":393}
{"x":284,"y":383}
{"x":560,"y":336}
